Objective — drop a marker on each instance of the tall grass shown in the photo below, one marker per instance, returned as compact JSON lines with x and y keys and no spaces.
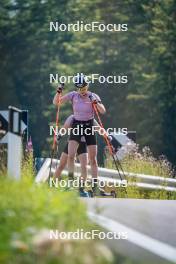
{"x":3,"y":158}
{"x":143,"y":162}
{"x":27,"y":213}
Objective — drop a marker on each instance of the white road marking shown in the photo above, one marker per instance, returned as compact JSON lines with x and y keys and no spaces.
{"x":158,"y":248}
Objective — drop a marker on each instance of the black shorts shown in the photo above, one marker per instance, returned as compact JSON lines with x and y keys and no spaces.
{"x":81,"y":127}
{"x":82,"y":148}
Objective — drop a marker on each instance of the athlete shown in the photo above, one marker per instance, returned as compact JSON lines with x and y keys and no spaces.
{"x":83,"y":114}
{"x":81,"y":152}
{"x":83,"y":159}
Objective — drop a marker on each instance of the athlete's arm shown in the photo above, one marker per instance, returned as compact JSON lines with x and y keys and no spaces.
{"x":97,"y":101}
{"x":58,"y":99}
{"x":101,"y":108}
{"x":68,"y":122}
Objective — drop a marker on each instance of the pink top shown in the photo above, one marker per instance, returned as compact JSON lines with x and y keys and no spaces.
{"x":82,"y":106}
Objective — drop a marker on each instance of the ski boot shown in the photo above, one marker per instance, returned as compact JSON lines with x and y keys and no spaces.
{"x":83,"y":193}
{"x":100,"y":192}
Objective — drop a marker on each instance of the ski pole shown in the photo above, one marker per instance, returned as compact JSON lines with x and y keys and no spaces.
{"x":57,"y":125}
{"x":110,"y":147}
{"x":54,"y":142}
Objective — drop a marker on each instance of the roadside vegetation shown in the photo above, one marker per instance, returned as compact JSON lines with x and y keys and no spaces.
{"x":28,"y":211}
{"x":143,"y":162}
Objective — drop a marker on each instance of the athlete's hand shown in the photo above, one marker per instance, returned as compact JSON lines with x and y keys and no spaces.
{"x":60,"y":88}
{"x":93,"y":99}
{"x":109,"y":138}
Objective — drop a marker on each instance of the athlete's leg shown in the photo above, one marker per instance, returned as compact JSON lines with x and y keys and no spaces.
{"x":62,"y":164}
{"x":72,"y":149}
{"x":68,"y":122}
{"x":83,"y":159}
{"x":92,"y":152}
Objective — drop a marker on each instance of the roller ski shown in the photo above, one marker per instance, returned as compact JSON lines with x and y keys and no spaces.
{"x":101,"y":193}
{"x":82,"y":191}
{"x":97,"y":191}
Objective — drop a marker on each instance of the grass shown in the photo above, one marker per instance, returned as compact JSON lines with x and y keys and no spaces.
{"x":28,"y":211}
{"x":134,"y":192}
{"x":144,"y":162}
{"x":3,"y":157}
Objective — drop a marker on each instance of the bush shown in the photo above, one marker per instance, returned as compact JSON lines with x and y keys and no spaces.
{"x":28,"y":211}
{"x":144,"y":162}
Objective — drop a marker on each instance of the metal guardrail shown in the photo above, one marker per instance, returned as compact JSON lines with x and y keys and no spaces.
{"x":143,"y":181}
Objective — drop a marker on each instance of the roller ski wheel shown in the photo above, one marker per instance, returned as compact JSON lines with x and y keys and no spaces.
{"x":112,"y":194}
{"x":102,"y":193}
{"x":83,"y":193}
{"x":91,"y":194}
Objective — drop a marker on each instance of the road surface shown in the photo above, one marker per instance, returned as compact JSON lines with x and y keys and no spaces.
{"x":150,"y":225}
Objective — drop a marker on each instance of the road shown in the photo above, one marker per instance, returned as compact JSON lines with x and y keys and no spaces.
{"x":150,"y":225}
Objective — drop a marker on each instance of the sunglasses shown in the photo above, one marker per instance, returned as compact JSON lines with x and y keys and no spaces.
{"x":83,"y":89}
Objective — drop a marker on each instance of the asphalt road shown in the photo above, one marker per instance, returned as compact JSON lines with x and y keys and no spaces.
{"x":150,"y":225}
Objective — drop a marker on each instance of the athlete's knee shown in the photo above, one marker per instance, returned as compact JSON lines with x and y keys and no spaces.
{"x":71,"y":157}
{"x":93,"y":161}
{"x":83,"y":167}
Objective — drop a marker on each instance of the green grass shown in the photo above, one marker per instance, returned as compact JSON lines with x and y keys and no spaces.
{"x":144,"y":162}
{"x":134,"y":192}
{"x":28,"y":211}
